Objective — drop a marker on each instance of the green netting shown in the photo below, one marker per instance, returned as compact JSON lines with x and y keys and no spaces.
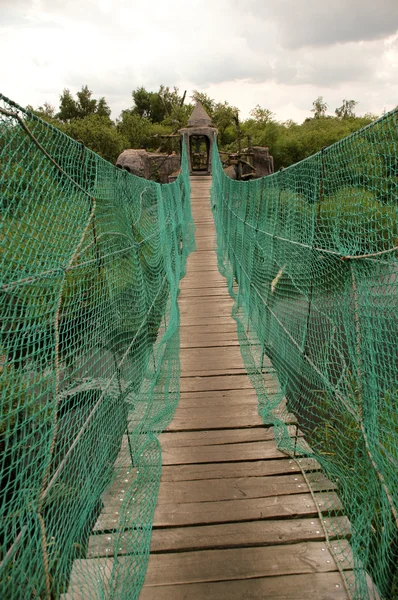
{"x":310,"y":254}
{"x":91,"y":259}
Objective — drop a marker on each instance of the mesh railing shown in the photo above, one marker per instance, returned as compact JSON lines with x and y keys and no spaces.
{"x":91,"y":259}
{"x":310,"y":254}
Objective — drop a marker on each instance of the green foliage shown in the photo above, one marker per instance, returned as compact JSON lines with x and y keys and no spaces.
{"x":290,"y":143}
{"x":223,"y":115}
{"x":262,"y":115}
{"x":346,"y":110}
{"x":352,"y":221}
{"x":158,"y":106}
{"x":148,"y":105}
{"x":87,"y":120}
{"x":205,"y":100}
{"x":319,"y":108}
{"x":67,"y":107}
{"x":99,"y":134}
{"x":262,"y":127}
{"x":140,"y":132}
{"x":296,"y":142}
{"x":164,"y":112}
{"x":85,"y":105}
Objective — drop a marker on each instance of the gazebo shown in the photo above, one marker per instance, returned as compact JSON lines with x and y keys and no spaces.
{"x":199,"y":136}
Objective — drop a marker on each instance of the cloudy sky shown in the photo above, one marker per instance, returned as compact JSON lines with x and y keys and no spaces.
{"x":280,"y":54}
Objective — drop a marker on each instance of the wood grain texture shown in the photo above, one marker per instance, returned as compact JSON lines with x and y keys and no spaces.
{"x":217,"y":453}
{"x":214,"y":383}
{"x":248,"y":534}
{"x":242,"y":563}
{"x":257,"y":468}
{"x":320,"y":586}
{"x":228,"y":535}
{"x":246,"y":509}
{"x":210,"y":437}
{"x":235,"y":488}
{"x":222,"y":398}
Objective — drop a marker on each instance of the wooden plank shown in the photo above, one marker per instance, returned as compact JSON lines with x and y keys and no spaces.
{"x":227,"y":398}
{"x":231,"y":564}
{"x":205,"y":310}
{"x":234,"y":488}
{"x":224,"y":422}
{"x":211,"y":292}
{"x":200,"y":261}
{"x":246,"y":509}
{"x":321,"y":586}
{"x":211,"y":437}
{"x":212,"y":359}
{"x":203,"y":279}
{"x":206,"y":303}
{"x":201,"y":330}
{"x":195,"y":280}
{"x":206,"y":343}
{"x":229,"y":453}
{"x":215,"y":382}
{"x":88,"y":576}
{"x":241,"y":535}
{"x":203,"y":412}
{"x":255,"y":468}
{"x":219,"y":414}
{"x":236,"y":535}
{"x":205,"y":257}
{"x":207,"y":372}
{"x":203,"y":268}
{"x":206,"y":320}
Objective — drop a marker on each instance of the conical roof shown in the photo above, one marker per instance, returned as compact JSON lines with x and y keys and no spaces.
{"x":199,"y":117}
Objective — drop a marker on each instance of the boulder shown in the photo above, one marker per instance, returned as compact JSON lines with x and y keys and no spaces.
{"x":134,"y":161}
{"x":262,"y":161}
{"x":154,"y":166}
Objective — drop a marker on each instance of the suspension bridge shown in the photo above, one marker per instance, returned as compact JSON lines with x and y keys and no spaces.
{"x":217,"y":423}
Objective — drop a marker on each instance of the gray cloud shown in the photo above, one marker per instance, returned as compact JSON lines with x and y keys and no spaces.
{"x":292,"y":50}
{"x":314,"y":23}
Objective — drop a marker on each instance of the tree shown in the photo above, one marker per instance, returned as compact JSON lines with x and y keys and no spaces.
{"x":47,"y":110}
{"x":99,"y":134}
{"x":165,"y":104}
{"x":68,"y":108}
{"x":134,"y":128}
{"x":142,"y":103}
{"x":222,"y":114}
{"x":103,"y":109}
{"x":226,"y":119}
{"x":205,"y":100}
{"x":262,"y":115}
{"x":85,"y":105}
{"x":346,"y":110}
{"x":319,"y":108}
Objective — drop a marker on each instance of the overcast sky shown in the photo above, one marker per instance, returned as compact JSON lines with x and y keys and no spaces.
{"x":280,"y":54}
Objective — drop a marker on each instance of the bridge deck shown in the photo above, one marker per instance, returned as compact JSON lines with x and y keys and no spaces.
{"x":235,"y":518}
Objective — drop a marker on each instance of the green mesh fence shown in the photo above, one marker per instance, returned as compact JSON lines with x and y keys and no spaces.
{"x":91,"y":259}
{"x":310,"y":254}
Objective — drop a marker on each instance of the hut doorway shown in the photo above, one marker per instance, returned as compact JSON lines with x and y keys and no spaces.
{"x":199,"y":149}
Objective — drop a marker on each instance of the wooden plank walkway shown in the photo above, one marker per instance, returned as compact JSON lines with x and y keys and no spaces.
{"x":234,"y":519}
